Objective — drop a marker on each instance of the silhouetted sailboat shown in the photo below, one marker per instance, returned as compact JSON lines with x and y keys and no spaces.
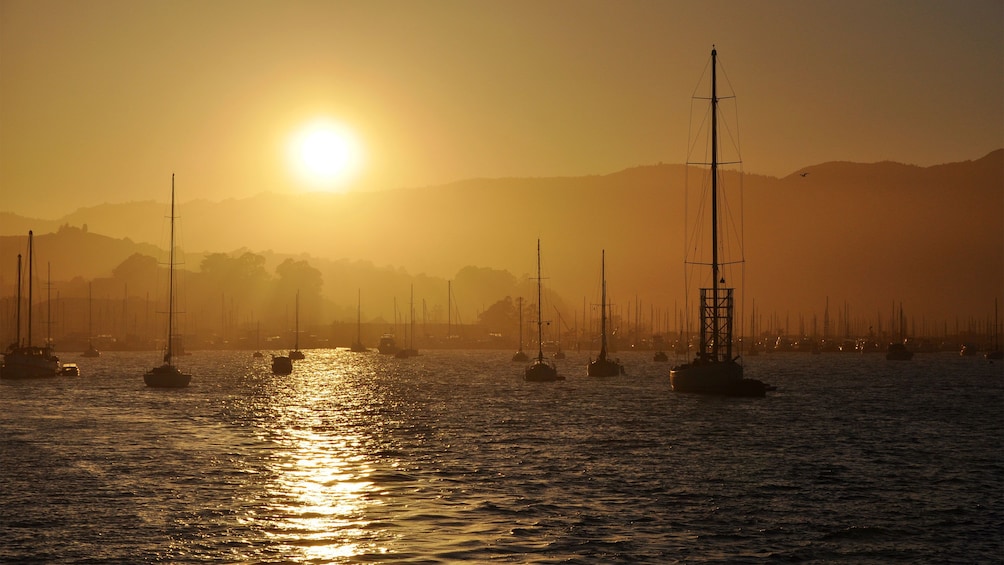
{"x":296,"y":354}
{"x":410,"y":351}
{"x":601,"y":366}
{"x":257,"y":341}
{"x":27,"y":361}
{"x":358,"y":346}
{"x":520,"y":356}
{"x":559,"y":354}
{"x":995,"y":348}
{"x":167,"y":375}
{"x":540,"y":370}
{"x":897,"y":351}
{"x":282,"y":365}
{"x":715,"y":370}
{"x":91,"y":350}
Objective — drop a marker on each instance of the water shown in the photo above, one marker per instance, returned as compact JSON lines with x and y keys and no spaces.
{"x":451,"y":457}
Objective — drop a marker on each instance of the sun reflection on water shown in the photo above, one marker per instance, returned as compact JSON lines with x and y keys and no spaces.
{"x":322,"y":489}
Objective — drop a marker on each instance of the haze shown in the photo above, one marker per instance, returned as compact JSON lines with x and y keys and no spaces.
{"x":101,"y":101}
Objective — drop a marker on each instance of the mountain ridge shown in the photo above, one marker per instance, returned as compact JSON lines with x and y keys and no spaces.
{"x":904,"y":232}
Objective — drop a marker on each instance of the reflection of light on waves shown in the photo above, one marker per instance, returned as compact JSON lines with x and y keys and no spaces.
{"x":325,"y":480}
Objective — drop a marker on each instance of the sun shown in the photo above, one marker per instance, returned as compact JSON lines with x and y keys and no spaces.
{"x":325,"y":155}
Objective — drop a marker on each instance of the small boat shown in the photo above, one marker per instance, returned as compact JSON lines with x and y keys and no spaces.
{"x":601,"y":366}
{"x":69,"y":370}
{"x":282,"y":365}
{"x":357,"y":345}
{"x":714,"y":370}
{"x":410,"y":351}
{"x":540,"y":370}
{"x":660,"y":357}
{"x":387,"y":345}
{"x":257,"y":339}
{"x":91,"y":351}
{"x":897,"y":351}
{"x":559,"y":354}
{"x":167,"y":375}
{"x":27,"y":361}
{"x":520,"y":356}
{"x":296,"y":354}
{"x":995,"y":352}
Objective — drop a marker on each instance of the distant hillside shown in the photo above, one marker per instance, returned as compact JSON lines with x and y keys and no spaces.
{"x":867,"y":234}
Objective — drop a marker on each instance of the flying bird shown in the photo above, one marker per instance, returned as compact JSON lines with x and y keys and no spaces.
{"x":803,"y":174}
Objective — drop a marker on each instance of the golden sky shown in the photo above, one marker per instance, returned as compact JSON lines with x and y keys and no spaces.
{"x":100,"y":101}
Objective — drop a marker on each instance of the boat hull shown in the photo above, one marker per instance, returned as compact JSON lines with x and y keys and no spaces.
{"x":282,"y":365}
{"x":604,"y":368}
{"x":166,"y":376}
{"x":719,"y":379}
{"x":406,"y":353}
{"x":540,"y":372}
{"x":28,"y":363}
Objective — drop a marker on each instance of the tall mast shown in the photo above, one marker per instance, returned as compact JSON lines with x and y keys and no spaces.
{"x":48,"y":304}
{"x":714,"y":205}
{"x":603,"y":305}
{"x":31,"y":256}
{"x":18,"y":331}
{"x":90,"y":322}
{"x":540,"y":334}
{"x":170,"y":285}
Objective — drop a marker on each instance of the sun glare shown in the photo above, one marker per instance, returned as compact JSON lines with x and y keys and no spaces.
{"x":325,"y":155}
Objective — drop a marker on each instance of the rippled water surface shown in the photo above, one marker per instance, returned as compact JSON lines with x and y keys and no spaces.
{"x":451,"y":457}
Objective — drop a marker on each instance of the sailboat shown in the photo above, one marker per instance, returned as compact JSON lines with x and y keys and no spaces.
{"x":540,"y":370}
{"x":520,"y":356}
{"x":22,"y":361}
{"x":714,"y":370}
{"x":995,"y":350}
{"x":257,"y":340}
{"x":167,"y":375}
{"x":91,"y":350}
{"x":559,"y":354}
{"x":897,"y":350}
{"x":409,"y":351}
{"x":601,"y":366}
{"x":358,"y":346}
{"x":296,"y":354}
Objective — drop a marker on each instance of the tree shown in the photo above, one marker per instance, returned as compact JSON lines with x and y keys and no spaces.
{"x":501,"y":317}
{"x":138,"y":271}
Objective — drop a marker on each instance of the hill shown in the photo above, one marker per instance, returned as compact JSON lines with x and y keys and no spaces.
{"x":863,"y":234}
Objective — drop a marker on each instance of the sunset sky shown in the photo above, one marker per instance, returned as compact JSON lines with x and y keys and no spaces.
{"x":100,"y":101}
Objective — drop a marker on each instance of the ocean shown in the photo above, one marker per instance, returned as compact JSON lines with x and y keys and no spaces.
{"x":450,"y":457}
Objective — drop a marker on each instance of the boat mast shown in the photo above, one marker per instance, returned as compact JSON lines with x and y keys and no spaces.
{"x":170,"y":285}
{"x":18,"y":331}
{"x":540,"y":323}
{"x":714,"y":208}
{"x":520,"y":323}
{"x":31,"y":256}
{"x":603,"y":305}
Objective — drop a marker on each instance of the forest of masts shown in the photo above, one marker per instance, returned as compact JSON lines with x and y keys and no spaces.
{"x":136,"y":323}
